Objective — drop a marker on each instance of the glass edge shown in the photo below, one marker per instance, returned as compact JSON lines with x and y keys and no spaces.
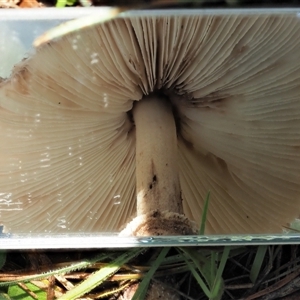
{"x":53,"y":13}
{"x":93,"y":241}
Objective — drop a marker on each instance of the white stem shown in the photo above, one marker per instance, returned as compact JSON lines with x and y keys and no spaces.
{"x":157,"y":179}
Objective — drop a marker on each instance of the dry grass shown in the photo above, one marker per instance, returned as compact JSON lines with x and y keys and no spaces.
{"x":277,"y":276}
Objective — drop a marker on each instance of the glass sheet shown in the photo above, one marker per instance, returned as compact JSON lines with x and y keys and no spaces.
{"x":72,"y":174}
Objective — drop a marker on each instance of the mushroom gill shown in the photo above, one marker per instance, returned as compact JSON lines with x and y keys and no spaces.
{"x":67,"y":138}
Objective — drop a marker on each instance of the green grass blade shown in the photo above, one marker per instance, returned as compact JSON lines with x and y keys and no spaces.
{"x":143,"y":286}
{"x":257,"y":263}
{"x":196,"y":275}
{"x":177,"y":258}
{"x":217,"y":287}
{"x":76,"y":266}
{"x":18,"y":293}
{"x":223,"y":261}
{"x":64,"y":3}
{"x":211,"y":281}
{"x":204,"y":214}
{"x":213,"y":260}
{"x":99,"y":276}
{"x":61,"y":3}
{"x":4,"y":296}
{"x":200,"y":263}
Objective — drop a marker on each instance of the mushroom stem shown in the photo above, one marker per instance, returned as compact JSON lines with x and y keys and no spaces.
{"x":157,"y":178}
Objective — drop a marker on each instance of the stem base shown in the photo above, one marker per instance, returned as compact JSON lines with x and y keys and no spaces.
{"x":157,"y":223}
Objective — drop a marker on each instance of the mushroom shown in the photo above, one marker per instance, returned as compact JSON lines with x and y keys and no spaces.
{"x":160,"y":107}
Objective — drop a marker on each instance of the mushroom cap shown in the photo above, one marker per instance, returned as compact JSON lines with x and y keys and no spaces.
{"x":67,"y":142}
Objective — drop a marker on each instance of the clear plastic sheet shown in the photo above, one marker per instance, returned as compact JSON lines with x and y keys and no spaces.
{"x":245,"y":154}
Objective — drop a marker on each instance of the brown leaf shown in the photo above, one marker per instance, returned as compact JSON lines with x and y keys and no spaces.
{"x":30,"y":4}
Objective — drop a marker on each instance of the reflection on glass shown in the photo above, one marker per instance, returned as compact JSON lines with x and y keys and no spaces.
{"x":139,"y":117}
